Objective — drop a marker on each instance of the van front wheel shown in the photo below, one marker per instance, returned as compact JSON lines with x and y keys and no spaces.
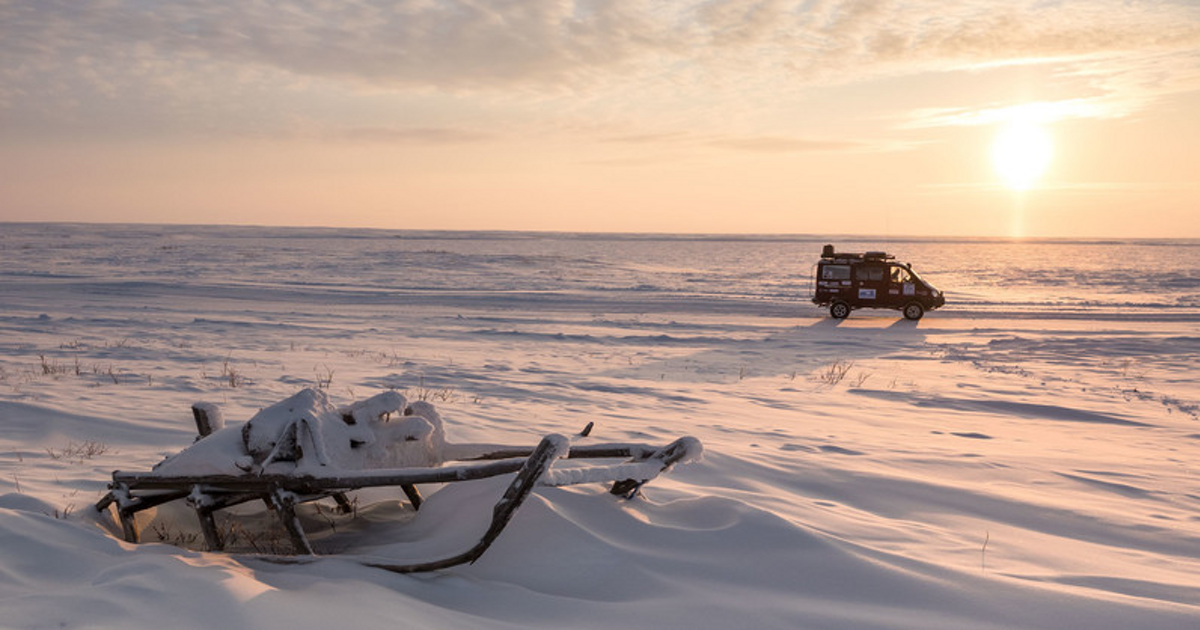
{"x":913,"y":310}
{"x":839,"y":310}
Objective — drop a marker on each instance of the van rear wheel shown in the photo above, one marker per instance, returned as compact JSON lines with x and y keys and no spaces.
{"x":913,"y":310}
{"x":839,"y":310}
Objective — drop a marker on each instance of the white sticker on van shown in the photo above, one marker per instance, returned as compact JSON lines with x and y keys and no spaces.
{"x":866,"y":294}
{"x":909,"y":289}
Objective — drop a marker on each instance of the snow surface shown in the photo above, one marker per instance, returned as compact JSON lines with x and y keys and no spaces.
{"x":1024,"y":458}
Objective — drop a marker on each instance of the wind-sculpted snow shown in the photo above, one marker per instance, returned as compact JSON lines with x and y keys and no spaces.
{"x":1022,"y":458}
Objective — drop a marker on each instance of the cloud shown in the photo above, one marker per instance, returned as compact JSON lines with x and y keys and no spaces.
{"x":193,"y":62}
{"x":1065,"y":187}
{"x":839,"y":41}
{"x":416,"y":135}
{"x":669,"y":137}
{"x":767,"y":144}
{"x":1039,"y":112}
{"x":749,"y":144}
{"x":446,"y":43}
{"x":461,"y":43}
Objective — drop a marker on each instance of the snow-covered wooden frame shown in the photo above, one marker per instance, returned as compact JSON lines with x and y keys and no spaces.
{"x":284,"y":481}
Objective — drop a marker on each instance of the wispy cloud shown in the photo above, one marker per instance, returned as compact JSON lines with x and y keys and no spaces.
{"x":425,"y":136}
{"x":1036,"y":112}
{"x":766,"y":144}
{"x":444,"y":43}
{"x":459,"y":43}
{"x":882,"y":36}
{"x":754,"y":144}
{"x":1064,"y":187}
{"x":185,"y":60}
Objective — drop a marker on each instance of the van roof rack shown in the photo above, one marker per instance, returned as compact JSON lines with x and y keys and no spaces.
{"x":829,"y":252}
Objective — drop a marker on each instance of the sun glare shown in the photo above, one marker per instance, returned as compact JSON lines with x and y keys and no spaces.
{"x":1021,"y":153}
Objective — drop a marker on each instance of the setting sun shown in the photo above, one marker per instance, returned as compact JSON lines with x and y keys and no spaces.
{"x":691,"y":116}
{"x":1021,"y":153}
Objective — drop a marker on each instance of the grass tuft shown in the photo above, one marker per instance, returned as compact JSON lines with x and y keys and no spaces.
{"x":834,"y":373}
{"x":80,"y":452}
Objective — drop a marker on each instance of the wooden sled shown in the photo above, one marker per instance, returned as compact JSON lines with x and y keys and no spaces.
{"x":302,"y":450}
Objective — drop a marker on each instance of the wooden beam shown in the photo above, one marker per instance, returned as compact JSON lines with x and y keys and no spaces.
{"x":414,"y":495}
{"x":520,"y":488}
{"x":284,"y":505}
{"x":204,"y":425}
{"x":208,"y":526}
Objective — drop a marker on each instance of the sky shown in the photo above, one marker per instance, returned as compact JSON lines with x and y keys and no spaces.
{"x":968,"y":118}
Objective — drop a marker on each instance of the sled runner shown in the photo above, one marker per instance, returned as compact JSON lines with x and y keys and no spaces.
{"x":302,"y":449}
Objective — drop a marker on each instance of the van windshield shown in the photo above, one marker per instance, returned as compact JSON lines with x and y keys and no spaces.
{"x":917,"y":277}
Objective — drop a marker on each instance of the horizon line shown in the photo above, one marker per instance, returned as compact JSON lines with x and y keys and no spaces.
{"x":682,"y":235}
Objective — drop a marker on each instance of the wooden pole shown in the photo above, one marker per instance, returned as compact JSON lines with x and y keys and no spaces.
{"x":204,"y":427}
{"x":414,"y":495}
{"x":527,"y":477}
{"x":284,"y":504}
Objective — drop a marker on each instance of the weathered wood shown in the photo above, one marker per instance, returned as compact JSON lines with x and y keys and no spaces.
{"x":284,"y":505}
{"x":475,"y":453}
{"x":668,"y":455}
{"x":516,"y":493}
{"x":218,"y":500}
{"x":208,"y":526}
{"x":128,"y":525}
{"x":306,"y":483}
{"x":627,"y":488}
{"x":204,"y":425}
{"x":344,"y":504}
{"x":282,"y":492}
{"x":414,"y":495}
{"x":315,"y":484}
{"x":230,"y":490}
{"x":128,"y":506}
{"x":108,"y":499}
{"x":205,"y":505}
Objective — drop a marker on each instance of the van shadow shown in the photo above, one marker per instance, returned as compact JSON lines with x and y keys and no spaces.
{"x":905,"y":324}
{"x":789,"y":352}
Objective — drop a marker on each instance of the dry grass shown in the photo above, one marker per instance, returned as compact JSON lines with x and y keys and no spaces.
{"x":231,"y":375}
{"x":324,"y":377}
{"x":834,"y":373}
{"x":78,"y":452}
{"x":234,"y":535}
{"x":429,"y":394}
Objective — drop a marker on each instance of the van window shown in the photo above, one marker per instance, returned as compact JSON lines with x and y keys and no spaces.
{"x":835,"y":272}
{"x":871,"y":274}
{"x":900,"y":275}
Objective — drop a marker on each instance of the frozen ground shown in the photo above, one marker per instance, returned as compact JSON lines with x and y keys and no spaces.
{"x":1014,"y":460}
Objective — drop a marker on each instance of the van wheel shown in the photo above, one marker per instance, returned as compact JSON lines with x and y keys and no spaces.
{"x":913,"y":310}
{"x":839,"y":310}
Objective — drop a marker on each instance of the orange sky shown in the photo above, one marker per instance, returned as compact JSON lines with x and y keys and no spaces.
{"x":864,"y":117}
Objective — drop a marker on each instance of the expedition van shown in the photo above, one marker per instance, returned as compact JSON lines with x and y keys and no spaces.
{"x":845,"y":282}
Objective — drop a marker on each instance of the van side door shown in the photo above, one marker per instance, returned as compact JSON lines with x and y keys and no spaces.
{"x":870,"y":284}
